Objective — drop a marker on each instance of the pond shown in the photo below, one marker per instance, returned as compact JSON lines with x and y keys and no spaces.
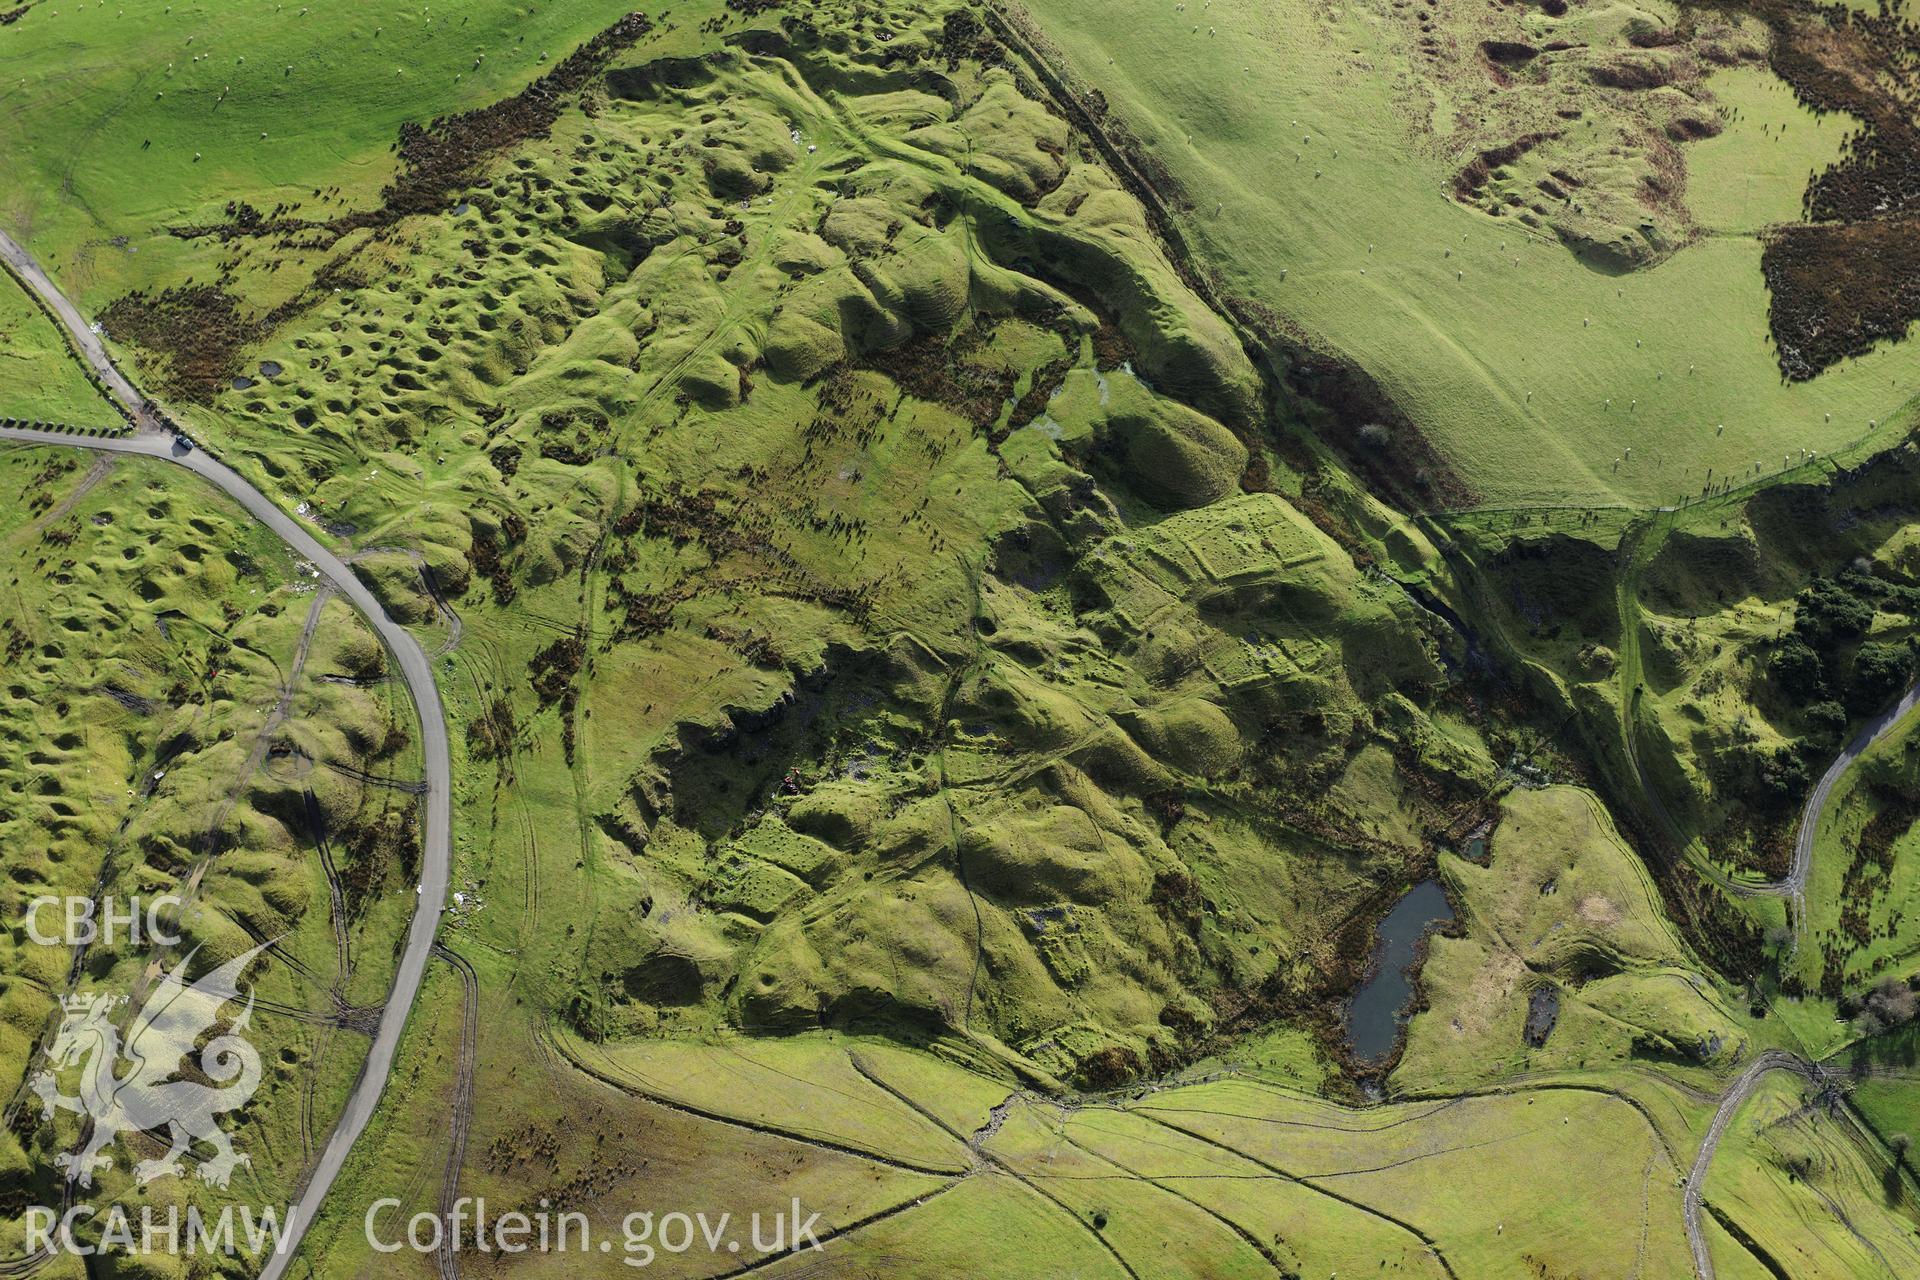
{"x":1543,"y":1010}
{"x":1376,"y":1015}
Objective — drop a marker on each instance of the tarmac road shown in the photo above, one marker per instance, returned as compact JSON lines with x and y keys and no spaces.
{"x":153,"y":441}
{"x":1795,"y":885}
{"x":28,"y":272}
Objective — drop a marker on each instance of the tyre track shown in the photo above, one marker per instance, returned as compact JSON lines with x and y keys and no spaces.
{"x":446,"y":1257}
{"x":1731,"y":1100}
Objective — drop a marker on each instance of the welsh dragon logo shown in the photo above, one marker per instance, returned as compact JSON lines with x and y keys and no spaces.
{"x":147,"y":1098}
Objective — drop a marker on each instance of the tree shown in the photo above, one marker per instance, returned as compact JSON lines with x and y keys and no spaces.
{"x":1826,"y":719}
{"x":1797,"y":669}
{"x":1830,"y":608}
{"x":1783,"y":778}
{"x":1894,"y":1002}
{"x":1879,"y":672}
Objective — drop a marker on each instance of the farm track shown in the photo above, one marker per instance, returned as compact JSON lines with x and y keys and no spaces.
{"x":1731,"y":1100}
{"x":980,"y":1153}
{"x":430,"y":583}
{"x":614,"y":1076}
{"x":263,"y":740}
{"x":336,"y":898}
{"x":1793,"y":886}
{"x":376,"y":780}
{"x":154,"y":438}
{"x":446,"y":1258}
{"x":1427,"y":1242}
{"x":94,"y":476}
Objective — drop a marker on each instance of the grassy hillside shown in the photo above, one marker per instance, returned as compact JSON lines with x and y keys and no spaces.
{"x":1718,"y":655}
{"x":39,"y":379}
{"x":1861,"y":897}
{"x":1315,"y":155}
{"x":167,"y":728}
{"x":1785,"y":1154}
{"x":125,"y":120}
{"x":867,"y":556}
{"x":1567,"y":962}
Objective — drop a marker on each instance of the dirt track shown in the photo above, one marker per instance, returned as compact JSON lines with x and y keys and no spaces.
{"x":1734,"y":1097}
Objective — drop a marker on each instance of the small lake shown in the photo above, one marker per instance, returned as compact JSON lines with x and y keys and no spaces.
{"x":1375,"y":1018}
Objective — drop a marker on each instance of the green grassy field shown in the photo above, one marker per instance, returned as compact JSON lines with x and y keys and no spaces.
{"x":1237,"y":1177}
{"x":1318,"y":179}
{"x":1223,"y":1177}
{"x":1563,"y":907}
{"x":125,"y":120}
{"x":1886,"y":1096}
{"x":1814,"y":1196}
{"x":39,"y":379}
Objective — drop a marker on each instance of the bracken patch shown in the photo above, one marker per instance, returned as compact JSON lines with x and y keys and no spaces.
{"x":1848,"y":281}
{"x":1840,"y":288}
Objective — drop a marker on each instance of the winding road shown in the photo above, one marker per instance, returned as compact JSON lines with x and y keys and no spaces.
{"x":1731,"y":1101}
{"x":152,"y":439}
{"x":1795,"y":885}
